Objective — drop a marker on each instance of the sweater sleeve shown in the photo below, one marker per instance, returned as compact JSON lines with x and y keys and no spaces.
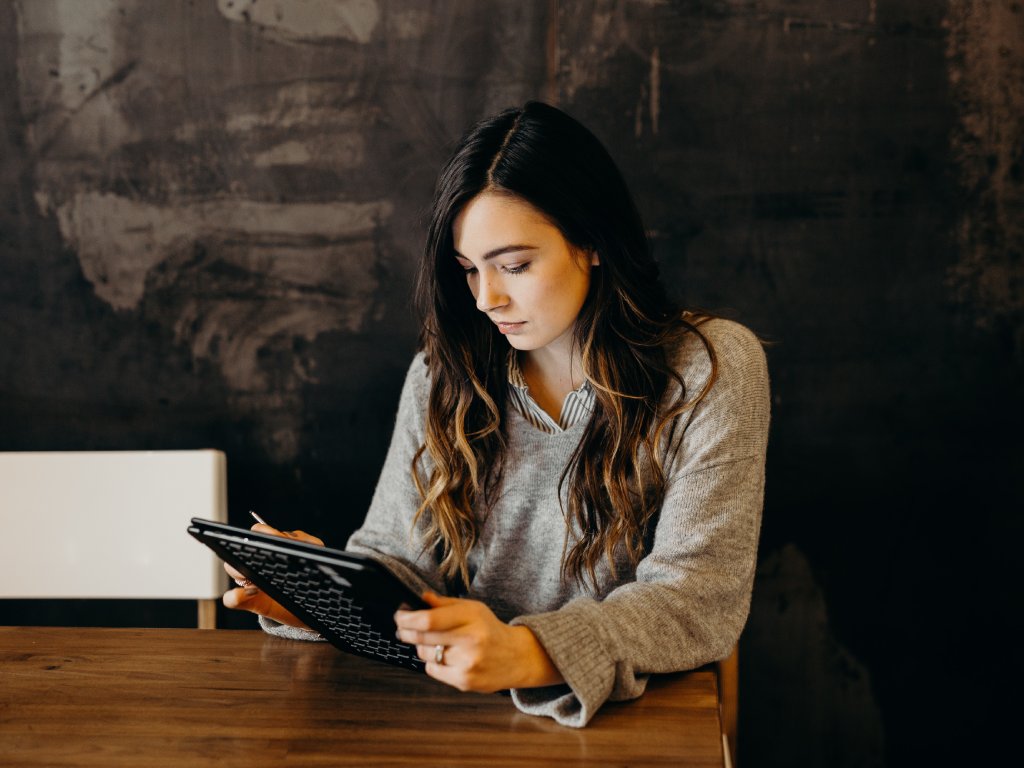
{"x":691,"y":595}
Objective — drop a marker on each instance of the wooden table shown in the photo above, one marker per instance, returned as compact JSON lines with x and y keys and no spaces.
{"x":180,"y":697}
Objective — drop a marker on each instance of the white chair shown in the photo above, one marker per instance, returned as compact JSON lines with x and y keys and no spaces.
{"x":111,"y":524}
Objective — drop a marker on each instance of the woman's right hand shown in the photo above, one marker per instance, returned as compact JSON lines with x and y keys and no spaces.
{"x":248,"y":597}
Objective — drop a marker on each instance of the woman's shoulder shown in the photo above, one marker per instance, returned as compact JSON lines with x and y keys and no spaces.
{"x":417,"y":377}
{"x":738,"y":355}
{"x":415,"y":388}
{"x":727,"y":338}
{"x":418,"y":366}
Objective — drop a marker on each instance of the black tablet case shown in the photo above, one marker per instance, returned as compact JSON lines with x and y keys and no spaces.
{"x":348,"y":598}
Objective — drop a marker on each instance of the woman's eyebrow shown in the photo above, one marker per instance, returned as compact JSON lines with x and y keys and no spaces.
{"x":498,"y":251}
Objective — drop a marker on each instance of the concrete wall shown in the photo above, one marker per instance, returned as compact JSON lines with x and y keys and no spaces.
{"x":211,"y":210}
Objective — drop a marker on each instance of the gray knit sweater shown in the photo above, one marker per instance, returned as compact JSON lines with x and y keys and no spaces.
{"x":687,"y":600}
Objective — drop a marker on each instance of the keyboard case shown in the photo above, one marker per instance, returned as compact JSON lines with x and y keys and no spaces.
{"x":348,"y":598}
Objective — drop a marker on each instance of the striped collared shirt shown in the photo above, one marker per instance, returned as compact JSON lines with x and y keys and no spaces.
{"x":576,"y":407}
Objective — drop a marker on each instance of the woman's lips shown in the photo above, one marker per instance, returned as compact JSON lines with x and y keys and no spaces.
{"x":507,"y":328}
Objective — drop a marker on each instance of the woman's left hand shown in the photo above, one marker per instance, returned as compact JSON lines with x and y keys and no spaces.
{"x":481,"y":652}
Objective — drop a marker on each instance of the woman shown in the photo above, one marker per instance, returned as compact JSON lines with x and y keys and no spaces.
{"x":577,"y":464}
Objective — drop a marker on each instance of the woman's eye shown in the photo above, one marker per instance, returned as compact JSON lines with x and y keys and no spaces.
{"x":469,"y":270}
{"x":516,"y":269}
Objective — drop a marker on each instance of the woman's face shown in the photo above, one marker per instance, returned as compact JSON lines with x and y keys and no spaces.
{"x":523,"y":274}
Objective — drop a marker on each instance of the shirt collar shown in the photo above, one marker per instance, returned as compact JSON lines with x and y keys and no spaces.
{"x":517,"y":380}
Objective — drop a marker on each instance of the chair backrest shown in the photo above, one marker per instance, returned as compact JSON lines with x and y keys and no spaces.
{"x":728,"y":696}
{"x":109,"y":524}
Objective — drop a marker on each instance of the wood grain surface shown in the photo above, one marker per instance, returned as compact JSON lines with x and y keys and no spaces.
{"x":156,"y":697}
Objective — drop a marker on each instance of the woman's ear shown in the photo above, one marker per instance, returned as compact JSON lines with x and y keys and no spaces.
{"x":595,"y":260}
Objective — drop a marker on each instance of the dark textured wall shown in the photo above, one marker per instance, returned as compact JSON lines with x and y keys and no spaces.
{"x":210,"y":213}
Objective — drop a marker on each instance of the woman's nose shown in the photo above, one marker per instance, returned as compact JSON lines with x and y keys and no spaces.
{"x":489,"y":294}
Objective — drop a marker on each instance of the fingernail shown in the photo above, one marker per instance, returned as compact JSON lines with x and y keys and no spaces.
{"x":250,"y":591}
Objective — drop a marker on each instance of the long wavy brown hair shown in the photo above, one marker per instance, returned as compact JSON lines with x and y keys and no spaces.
{"x":614,"y":483}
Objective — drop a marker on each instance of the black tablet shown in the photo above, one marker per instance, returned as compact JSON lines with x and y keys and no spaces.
{"x":348,"y":598}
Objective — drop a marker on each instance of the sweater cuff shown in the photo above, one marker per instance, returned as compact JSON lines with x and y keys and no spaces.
{"x":577,"y":652}
{"x":278,"y":629}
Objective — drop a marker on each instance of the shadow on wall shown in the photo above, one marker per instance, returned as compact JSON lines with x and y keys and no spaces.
{"x":806,"y":685}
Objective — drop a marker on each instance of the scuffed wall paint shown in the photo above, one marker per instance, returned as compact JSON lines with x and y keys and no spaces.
{"x":597,"y":36}
{"x":156,"y":206}
{"x":69,"y":60}
{"x":119,"y":241}
{"x":307,"y":20}
{"x":986,"y":76}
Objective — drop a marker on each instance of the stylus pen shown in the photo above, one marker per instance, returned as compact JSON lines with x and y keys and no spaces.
{"x":261,"y":520}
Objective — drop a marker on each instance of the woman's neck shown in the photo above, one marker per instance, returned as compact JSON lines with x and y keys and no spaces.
{"x":551,"y":376}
